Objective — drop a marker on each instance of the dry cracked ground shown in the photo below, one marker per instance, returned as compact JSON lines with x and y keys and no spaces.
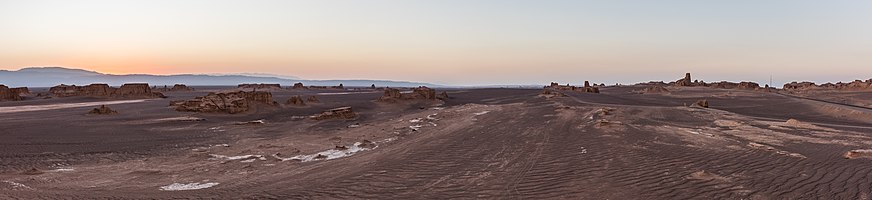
{"x":480,"y":144}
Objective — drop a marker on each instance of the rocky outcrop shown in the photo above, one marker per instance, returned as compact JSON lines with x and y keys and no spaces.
{"x":129,"y":90}
{"x":313,"y":99}
{"x":175,"y":88}
{"x":260,"y":86}
{"x":423,"y":93}
{"x":21,"y":91}
{"x":686,"y":81}
{"x":655,"y":89}
{"x":730,"y":85}
{"x":13,"y":94}
{"x":551,"y":93}
{"x":586,"y":89}
{"x":800,"y":86}
{"x":856,"y":85}
{"x":296,"y":101}
{"x":336,"y":113}
{"x":93,"y":90}
{"x":298,"y":86}
{"x":419,"y":93}
{"x":858,"y":153}
{"x":102,"y":110}
{"x":340,"y":86}
{"x":748,"y":85}
{"x":701,"y":103}
{"x":443,"y":96}
{"x":136,"y":90}
{"x":232,"y":102}
{"x":391,"y":94}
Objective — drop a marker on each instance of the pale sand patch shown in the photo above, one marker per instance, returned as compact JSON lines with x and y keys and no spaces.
{"x":344,"y":93}
{"x":189,"y":186}
{"x":15,"y":109}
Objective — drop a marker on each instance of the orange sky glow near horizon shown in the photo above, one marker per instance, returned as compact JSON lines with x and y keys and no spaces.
{"x":448,"y":42}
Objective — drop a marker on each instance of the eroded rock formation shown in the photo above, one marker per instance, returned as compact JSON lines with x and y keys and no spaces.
{"x":313,"y":99}
{"x":701,"y":103}
{"x":340,"y":86}
{"x":730,"y":85}
{"x":102,"y":110}
{"x":419,"y":93}
{"x":175,"y":88}
{"x":336,"y":113}
{"x":854,"y":85}
{"x":260,"y":86}
{"x":587,"y":88}
{"x":655,"y":89}
{"x":299,"y":86}
{"x":391,"y":94}
{"x":129,"y":90}
{"x":688,"y":82}
{"x":231,"y":102}
{"x":296,"y":101}
{"x":13,"y":94}
{"x":136,"y":90}
{"x":800,"y":86}
{"x":443,"y":96}
{"x":551,"y":93}
{"x":423,"y":93}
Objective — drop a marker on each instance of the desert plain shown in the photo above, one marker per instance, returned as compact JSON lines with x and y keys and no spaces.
{"x":679,"y":140}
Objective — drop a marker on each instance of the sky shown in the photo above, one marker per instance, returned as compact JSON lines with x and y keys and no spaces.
{"x":453,"y":42}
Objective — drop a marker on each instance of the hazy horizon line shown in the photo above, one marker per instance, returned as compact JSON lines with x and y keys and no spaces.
{"x":299,"y":78}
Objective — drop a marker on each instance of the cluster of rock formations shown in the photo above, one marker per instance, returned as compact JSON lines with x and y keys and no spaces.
{"x":231,"y":102}
{"x":336,"y":113}
{"x":175,"y":88}
{"x":586,"y":89}
{"x":688,"y":82}
{"x":298,"y":86}
{"x":102,"y":110}
{"x":129,"y":90}
{"x":854,"y":85}
{"x":340,"y":87}
{"x":313,"y":99}
{"x":13,"y":94}
{"x":297,"y":100}
{"x":731,"y":85}
{"x":419,"y":93}
{"x":654,"y":89}
{"x":259,"y":86}
{"x":551,"y":94}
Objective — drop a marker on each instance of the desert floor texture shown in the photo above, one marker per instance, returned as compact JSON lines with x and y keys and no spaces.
{"x":481,"y":143}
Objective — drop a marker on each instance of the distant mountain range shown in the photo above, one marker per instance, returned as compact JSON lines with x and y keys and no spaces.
{"x":51,"y":76}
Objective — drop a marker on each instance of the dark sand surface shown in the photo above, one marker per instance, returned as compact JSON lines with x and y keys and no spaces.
{"x":481,"y":143}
